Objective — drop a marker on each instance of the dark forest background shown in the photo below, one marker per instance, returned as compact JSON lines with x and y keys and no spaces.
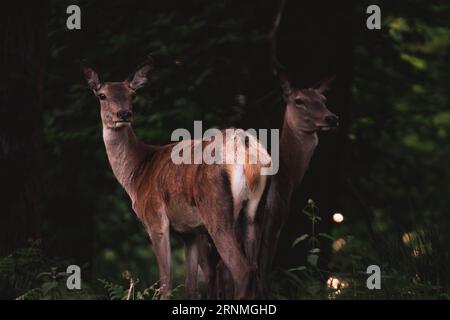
{"x":386,"y":169}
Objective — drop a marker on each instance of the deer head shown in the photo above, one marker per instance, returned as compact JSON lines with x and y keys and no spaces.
{"x":116,"y":107}
{"x":306,"y":108}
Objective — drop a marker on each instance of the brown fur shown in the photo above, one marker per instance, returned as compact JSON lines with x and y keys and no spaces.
{"x":187,"y":197}
{"x":306,"y":114}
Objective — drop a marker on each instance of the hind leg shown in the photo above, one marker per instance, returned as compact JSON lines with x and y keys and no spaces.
{"x":224,"y":282}
{"x":208,"y":260}
{"x":234,"y":260}
{"x":218,"y":221}
{"x":252,"y":230}
{"x":252,"y":235}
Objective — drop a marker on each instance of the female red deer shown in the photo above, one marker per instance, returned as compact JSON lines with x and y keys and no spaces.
{"x":305,"y":114}
{"x":189,"y":198}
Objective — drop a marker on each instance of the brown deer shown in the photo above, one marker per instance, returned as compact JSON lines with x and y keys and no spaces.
{"x":306,"y":114}
{"x":190,"y":199}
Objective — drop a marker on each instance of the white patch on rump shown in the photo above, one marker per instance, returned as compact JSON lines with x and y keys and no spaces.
{"x":238,"y":188}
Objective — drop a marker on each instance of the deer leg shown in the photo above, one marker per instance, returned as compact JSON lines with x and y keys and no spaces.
{"x":252,"y":235}
{"x":272,"y":225}
{"x":251,"y":241}
{"x":216,"y":211}
{"x":191,"y":265}
{"x":208,"y":260}
{"x":234,"y":260}
{"x":224,"y":282}
{"x":160,"y":236}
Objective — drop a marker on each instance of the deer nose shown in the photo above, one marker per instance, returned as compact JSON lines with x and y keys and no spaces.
{"x":332,"y":120}
{"x":124,"y":115}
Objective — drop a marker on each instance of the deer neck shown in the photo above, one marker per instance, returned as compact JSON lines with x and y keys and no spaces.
{"x":125,"y":153}
{"x":296,"y":149}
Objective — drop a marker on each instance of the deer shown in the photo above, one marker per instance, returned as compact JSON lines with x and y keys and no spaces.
{"x":196,"y":201}
{"x":305,"y":115}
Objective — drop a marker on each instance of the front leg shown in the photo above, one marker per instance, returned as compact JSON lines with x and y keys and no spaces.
{"x":158,"y":229}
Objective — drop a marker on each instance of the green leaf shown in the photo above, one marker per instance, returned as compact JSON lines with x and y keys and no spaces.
{"x":7,"y":265}
{"x":314,"y":288}
{"x":312,"y":259}
{"x":307,"y":213}
{"x":326,"y":235}
{"x":300,"y":239}
{"x":416,"y":62}
{"x":48,"y":275}
{"x":293,"y":277}
{"x":301,"y":268}
{"x":33,"y":294}
{"x":48,"y":286}
{"x":115,"y":291}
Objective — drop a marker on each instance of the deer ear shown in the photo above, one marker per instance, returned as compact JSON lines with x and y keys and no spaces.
{"x":285,"y":83}
{"x":91,"y":77}
{"x":324,"y":85}
{"x":139,"y":78}
{"x":283,"y":78}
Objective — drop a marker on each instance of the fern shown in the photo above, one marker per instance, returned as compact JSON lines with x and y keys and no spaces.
{"x":7,"y":265}
{"x":133,"y":292}
{"x":33,"y":294}
{"x":115,"y":291}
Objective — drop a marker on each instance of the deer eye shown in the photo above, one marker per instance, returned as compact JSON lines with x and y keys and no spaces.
{"x":299,"y":101}
{"x":102,"y":96}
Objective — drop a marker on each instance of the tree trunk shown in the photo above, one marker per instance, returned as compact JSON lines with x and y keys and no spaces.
{"x":22,"y":28}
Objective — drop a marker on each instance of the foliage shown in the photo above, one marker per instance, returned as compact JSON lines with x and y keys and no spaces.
{"x":388,"y":170}
{"x":35,"y":276}
{"x":134,"y":290}
{"x":416,"y":269}
{"x":306,"y":281}
{"x":21,"y":267}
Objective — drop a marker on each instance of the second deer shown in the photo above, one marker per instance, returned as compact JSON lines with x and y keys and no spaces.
{"x":305,"y":115}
